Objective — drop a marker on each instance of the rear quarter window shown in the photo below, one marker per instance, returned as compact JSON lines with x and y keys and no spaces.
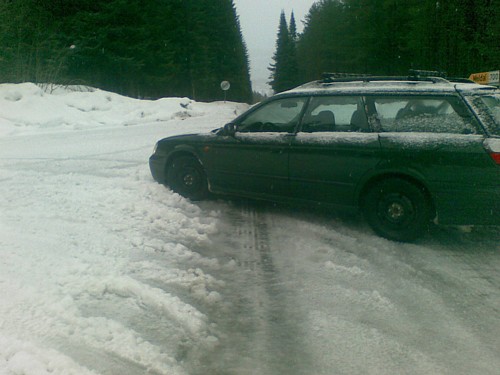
{"x":331,"y":114}
{"x":424,"y":115}
{"x":487,"y":108}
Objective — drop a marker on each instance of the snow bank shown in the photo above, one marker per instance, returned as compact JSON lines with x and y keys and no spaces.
{"x":101,"y":271}
{"x":18,"y":357}
{"x":27,"y":108}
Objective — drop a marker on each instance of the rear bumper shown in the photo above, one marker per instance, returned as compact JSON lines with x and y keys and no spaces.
{"x":471,"y":207}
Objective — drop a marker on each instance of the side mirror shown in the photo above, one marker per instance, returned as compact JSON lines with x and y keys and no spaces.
{"x":228,"y":130}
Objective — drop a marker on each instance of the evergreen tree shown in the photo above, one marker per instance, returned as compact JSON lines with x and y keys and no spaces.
{"x":293,"y":60}
{"x":284,"y":70}
{"x":142,"y":49}
{"x":454,"y":36}
{"x":276,"y":68}
{"x":391,"y":36}
{"x":221,"y":53}
{"x":489,"y":49}
{"x":326,"y":44}
{"x":27,"y":42}
{"x":292,"y":30}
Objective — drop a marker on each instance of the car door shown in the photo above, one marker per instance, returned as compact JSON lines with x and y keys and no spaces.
{"x":332,"y":151}
{"x":254,"y":161}
{"x":437,"y":140}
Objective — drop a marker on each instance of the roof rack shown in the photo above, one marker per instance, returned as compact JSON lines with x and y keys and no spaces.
{"x":460,"y":80}
{"x":413,"y":75}
{"x":438,"y":74}
{"x":426,"y":73}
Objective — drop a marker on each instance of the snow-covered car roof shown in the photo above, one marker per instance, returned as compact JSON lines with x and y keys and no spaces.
{"x":438,"y":86}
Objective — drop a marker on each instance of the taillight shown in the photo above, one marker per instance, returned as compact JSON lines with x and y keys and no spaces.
{"x":496,"y":157}
{"x":492,"y":145}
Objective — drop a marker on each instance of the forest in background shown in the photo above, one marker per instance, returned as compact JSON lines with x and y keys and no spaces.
{"x":388,"y":37}
{"x":145,"y":49}
{"x":158,"y":48}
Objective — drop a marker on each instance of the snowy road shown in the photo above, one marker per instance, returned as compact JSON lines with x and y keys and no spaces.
{"x":322,"y":295}
{"x":103,"y":271}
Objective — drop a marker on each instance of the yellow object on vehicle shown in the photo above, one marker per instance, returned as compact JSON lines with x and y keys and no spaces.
{"x":486,"y":78}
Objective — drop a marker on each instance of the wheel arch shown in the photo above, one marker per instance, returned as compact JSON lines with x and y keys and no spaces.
{"x":412,"y":178}
{"x":186,"y":175}
{"x":180,"y":152}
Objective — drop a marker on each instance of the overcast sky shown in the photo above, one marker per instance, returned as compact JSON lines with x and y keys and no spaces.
{"x":259,"y":21}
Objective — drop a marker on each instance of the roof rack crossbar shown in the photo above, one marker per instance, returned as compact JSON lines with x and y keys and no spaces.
{"x":426,"y":73}
{"x":413,"y":76}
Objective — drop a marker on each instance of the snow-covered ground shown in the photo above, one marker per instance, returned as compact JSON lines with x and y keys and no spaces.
{"x":103,"y":271}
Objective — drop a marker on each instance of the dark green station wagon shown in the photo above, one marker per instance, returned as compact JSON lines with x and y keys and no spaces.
{"x":406,"y":152}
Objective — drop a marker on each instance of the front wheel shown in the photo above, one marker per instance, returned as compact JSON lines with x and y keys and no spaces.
{"x":397,"y":209}
{"x":186,"y":177}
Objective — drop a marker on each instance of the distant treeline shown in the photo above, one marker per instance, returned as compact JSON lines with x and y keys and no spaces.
{"x":157,"y":48}
{"x":388,"y":37}
{"x":139,"y":48}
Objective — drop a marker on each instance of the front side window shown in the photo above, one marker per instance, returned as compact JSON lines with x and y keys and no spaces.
{"x":281,"y":116}
{"x":334,"y":114}
{"x":424,"y":115}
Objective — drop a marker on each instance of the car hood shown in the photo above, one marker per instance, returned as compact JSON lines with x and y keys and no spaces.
{"x":188,"y":138}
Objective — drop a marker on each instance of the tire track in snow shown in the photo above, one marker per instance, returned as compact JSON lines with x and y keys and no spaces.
{"x":282,"y":335}
{"x":260,"y":326}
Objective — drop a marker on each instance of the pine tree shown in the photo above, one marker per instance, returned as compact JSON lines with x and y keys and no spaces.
{"x":292,"y":30}
{"x":220,"y":54}
{"x":284,"y":70}
{"x":489,"y":50}
{"x":293,"y":68}
{"x":276,"y":68}
{"x":326,"y":44}
{"x":391,"y":36}
{"x":27,"y":43}
{"x":140,"y":49}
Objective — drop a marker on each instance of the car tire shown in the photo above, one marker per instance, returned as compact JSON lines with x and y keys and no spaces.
{"x":397,"y":209}
{"x":187,"y":177}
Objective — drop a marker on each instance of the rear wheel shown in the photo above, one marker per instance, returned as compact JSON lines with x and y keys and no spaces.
{"x":397,"y":209}
{"x":186,"y":177}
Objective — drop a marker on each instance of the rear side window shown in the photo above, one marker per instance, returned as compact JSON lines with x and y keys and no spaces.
{"x":424,"y":115}
{"x":335,"y":114}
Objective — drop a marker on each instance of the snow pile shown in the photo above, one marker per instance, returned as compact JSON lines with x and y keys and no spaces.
{"x":18,"y":357}
{"x":25,"y":107}
{"x":100,"y":269}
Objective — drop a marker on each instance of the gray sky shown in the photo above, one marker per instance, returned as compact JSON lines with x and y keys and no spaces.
{"x":259,"y":21}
